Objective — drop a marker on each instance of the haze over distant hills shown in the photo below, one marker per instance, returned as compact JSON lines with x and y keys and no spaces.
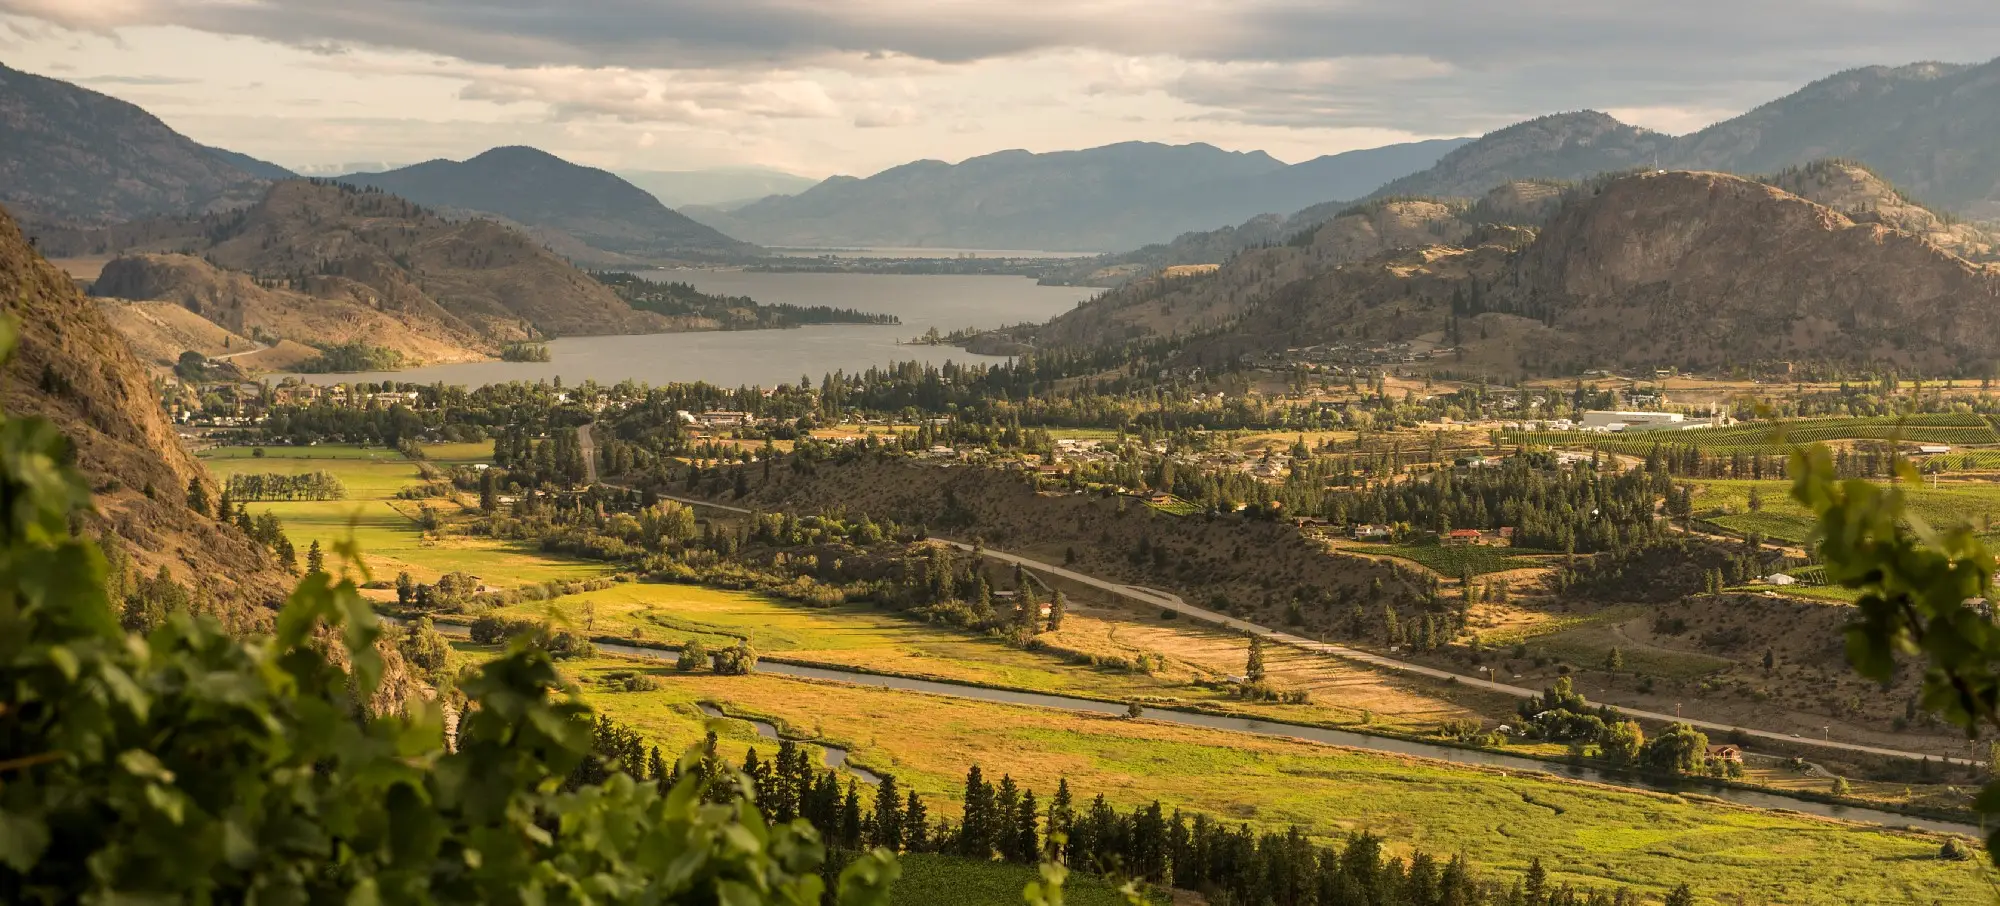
{"x":727,"y":188}
{"x":71,"y":154}
{"x":1116,"y":196}
{"x":549,"y":195}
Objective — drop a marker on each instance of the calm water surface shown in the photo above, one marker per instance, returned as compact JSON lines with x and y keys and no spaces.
{"x":770,"y":357}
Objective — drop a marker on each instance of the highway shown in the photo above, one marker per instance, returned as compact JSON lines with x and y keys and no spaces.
{"x":1168,"y":601}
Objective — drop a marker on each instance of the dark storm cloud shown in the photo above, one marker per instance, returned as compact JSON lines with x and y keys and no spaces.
{"x":1256,"y":61}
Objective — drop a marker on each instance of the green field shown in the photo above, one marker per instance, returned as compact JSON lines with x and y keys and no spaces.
{"x":861,"y":637}
{"x":1175,"y":507}
{"x":933,"y":880}
{"x":1590,"y":835}
{"x":459,"y":453}
{"x":1777,"y":437}
{"x":1450,"y":560}
{"x":1782,"y":519}
{"x":390,"y":537}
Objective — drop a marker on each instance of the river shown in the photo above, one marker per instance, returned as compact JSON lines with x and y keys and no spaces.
{"x":770,"y":357}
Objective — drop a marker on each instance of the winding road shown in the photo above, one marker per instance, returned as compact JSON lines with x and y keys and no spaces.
{"x":1169,"y":601}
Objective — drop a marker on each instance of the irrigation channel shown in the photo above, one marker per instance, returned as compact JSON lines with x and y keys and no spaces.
{"x":1479,"y":757}
{"x":835,"y":756}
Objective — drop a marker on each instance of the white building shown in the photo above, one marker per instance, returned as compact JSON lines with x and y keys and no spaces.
{"x":1603,"y":420}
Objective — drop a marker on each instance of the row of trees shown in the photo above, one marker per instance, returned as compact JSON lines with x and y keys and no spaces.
{"x":316,"y":485}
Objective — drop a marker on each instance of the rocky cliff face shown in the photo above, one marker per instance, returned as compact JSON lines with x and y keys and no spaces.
{"x":1182,"y":305}
{"x":1695,"y":270}
{"x":74,"y":369}
{"x":1705,"y":270}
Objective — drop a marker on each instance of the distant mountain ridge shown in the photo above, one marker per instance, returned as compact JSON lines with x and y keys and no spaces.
{"x":72,"y":155}
{"x":546,"y":193}
{"x":725,"y":187}
{"x":1933,"y":129}
{"x":321,"y":263}
{"x":1093,"y":199}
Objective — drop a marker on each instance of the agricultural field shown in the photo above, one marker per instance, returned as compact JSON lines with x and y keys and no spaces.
{"x":387,"y":529}
{"x":1777,"y":437}
{"x":1727,"y":503}
{"x":1175,"y":507}
{"x":1451,"y":560}
{"x":934,"y":880}
{"x":1181,"y":657}
{"x":1604,"y":837}
{"x":463,"y":453}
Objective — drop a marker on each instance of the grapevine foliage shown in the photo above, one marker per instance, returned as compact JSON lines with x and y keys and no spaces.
{"x":189,"y":766}
{"x":1925,"y":594}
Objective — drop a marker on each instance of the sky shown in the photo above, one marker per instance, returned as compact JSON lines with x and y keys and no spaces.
{"x":819,"y":87}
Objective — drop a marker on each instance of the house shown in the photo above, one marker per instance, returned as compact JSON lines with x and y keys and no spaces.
{"x":1726,"y":753}
{"x":1933,"y":449}
{"x":1462,"y":536}
{"x":724,"y":418}
{"x":1372,"y":532}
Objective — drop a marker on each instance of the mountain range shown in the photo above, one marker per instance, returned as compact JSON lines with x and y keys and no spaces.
{"x":69,"y":154}
{"x":1097,"y":199}
{"x":563,"y":204}
{"x":726,"y":188}
{"x":317,"y":263}
{"x":1931,"y":129}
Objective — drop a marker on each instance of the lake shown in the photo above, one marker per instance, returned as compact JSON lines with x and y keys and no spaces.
{"x":770,"y":357}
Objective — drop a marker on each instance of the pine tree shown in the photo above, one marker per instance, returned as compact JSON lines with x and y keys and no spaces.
{"x":916,"y":825}
{"x":315,"y":559}
{"x":1027,"y":840}
{"x":1253,"y":671}
{"x":888,"y":824}
{"x":1058,"y":607}
{"x":975,"y":832}
{"x":197,"y":497}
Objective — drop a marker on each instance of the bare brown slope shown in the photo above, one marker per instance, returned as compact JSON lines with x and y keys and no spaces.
{"x":1182,"y":305}
{"x":74,"y":369}
{"x":492,"y":278}
{"x":332,"y":309}
{"x":1250,"y":568}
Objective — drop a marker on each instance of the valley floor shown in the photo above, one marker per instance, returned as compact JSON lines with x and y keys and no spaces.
{"x":1588,"y":834}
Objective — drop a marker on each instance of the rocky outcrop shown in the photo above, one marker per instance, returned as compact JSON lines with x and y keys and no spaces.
{"x":73,"y":368}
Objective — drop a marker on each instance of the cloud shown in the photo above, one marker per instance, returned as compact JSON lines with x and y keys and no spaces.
{"x":876,"y":116}
{"x":134,"y":80}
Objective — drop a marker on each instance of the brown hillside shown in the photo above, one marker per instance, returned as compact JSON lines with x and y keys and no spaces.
{"x":1856,"y":191}
{"x":332,"y":309}
{"x":1256,"y":567}
{"x":329,"y":263}
{"x":1695,"y":270}
{"x":74,"y":369}
{"x":490,"y":277}
{"x":1703,"y":270}
{"x":1164,"y":306}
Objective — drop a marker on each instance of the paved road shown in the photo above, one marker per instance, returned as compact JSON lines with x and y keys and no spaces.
{"x":1169,"y":601}
{"x":225,"y":358}
{"x":588,"y":448}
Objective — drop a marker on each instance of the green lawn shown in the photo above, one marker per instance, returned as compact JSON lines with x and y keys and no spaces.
{"x":1592,"y":835}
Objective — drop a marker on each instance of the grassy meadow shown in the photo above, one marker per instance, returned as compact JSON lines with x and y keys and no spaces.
{"x":1587,"y":834}
{"x":387,"y":529}
{"x":1181,"y":657}
{"x":1780,"y":518}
